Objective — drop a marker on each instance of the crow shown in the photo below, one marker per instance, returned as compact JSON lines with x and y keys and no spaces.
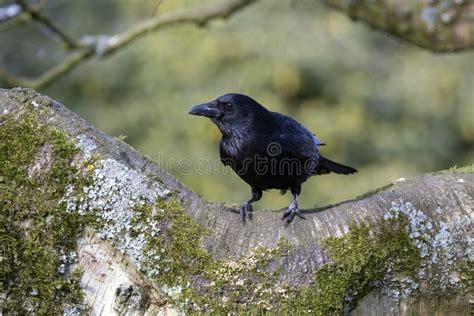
{"x":268,"y":150}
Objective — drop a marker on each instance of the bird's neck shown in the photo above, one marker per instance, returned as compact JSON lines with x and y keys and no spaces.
{"x":232,"y":145}
{"x":232,"y":133}
{"x":235,"y":137}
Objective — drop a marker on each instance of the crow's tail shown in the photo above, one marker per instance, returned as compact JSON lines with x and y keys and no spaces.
{"x":326,"y":166}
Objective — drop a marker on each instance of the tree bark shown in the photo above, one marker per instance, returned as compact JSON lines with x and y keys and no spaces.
{"x":440,"y":26}
{"x":444,"y":200}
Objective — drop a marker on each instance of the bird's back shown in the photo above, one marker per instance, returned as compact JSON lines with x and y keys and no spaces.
{"x":295,"y":138}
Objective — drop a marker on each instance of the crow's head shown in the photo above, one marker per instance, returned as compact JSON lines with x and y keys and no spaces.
{"x":232,"y":110}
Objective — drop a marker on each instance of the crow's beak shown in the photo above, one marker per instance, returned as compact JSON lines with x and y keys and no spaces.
{"x":205,"y":109}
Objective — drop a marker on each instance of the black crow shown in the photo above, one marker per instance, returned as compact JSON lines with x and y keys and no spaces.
{"x":268,"y":150}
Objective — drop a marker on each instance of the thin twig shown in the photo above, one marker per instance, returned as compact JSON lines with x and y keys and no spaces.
{"x":200,"y":16}
{"x":57,"y":32}
{"x":156,"y":8}
{"x":106,"y":47}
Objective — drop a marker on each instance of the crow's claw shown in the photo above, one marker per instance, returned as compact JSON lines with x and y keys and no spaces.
{"x":245,"y":209}
{"x":300,"y":215}
{"x":290,"y":214}
{"x":286,"y":214}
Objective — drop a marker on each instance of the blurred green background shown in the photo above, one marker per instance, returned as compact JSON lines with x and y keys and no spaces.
{"x":387,"y":108}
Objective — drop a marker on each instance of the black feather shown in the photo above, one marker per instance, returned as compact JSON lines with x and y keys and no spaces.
{"x":326,"y":166}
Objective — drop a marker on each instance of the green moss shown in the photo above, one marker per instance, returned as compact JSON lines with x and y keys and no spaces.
{"x":189,"y":277}
{"x":466,"y":272}
{"x":249,"y":284}
{"x":35,"y":229}
{"x":195,"y":282}
{"x":456,"y":169}
{"x":359,"y":260}
{"x":175,"y":253}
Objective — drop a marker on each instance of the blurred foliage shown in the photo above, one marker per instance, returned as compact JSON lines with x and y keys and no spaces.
{"x":384,"y":107}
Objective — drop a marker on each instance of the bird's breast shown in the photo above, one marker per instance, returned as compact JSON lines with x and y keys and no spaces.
{"x":231,"y":147}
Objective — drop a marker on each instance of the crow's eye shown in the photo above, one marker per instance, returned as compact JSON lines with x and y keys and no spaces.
{"x":229,"y":106}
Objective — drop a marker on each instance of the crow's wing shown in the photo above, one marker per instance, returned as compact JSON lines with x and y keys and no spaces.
{"x":296,"y":139}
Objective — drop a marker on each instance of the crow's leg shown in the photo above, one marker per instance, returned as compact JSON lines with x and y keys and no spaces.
{"x":246,"y":208}
{"x":293,"y":209}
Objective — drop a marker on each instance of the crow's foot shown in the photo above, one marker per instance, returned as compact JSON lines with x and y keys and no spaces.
{"x":245,"y":209}
{"x":290,"y":214}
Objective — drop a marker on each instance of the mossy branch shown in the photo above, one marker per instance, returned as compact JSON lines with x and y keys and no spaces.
{"x":405,"y":248}
{"x":102,"y":46}
{"x":439,"y":26}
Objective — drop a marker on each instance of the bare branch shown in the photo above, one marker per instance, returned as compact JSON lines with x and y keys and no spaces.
{"x":160,"y":2}
{"x":199,"y":16}
{"x":103,"y":46}
{"x":53,"y":74}
{"x":58,"y":33}
{"x":439,"y":26}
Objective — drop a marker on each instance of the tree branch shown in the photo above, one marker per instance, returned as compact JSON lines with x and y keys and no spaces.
{"x":438,"y":208}
{"x":51,"y":75}
{"x":57,"y":33}
{"x":439,"y":26}
{"x":103,"y":46}
{"x":199,"y":16}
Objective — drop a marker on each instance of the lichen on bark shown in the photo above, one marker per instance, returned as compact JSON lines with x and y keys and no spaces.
{"x":440,"y":26}
{"x":191,"y":280}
